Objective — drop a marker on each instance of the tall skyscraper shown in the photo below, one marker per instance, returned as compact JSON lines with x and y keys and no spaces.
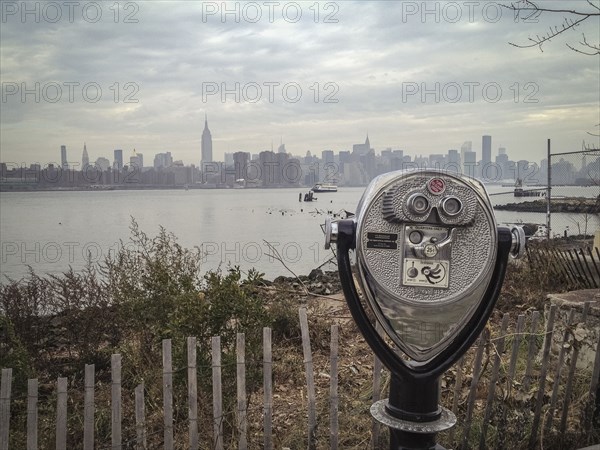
{"x":281,"y":148}
{"x":163,"y":160}
{"x":466,"y":147}
{"x":136,"y":161}
{"x":85,"y":159}
{"x":241,"y":160}
{"x":453,"y":161}
{"x":327,"y":156}
{"x":118,"y":159}
{"x":362,"y":149}
{"x":207,"y":154}
{"x":486,"y":150}
{"x":470,"y":164}
{"x":63,"y":157}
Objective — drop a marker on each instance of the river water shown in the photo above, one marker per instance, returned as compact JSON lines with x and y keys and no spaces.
{"x":51,"y":231}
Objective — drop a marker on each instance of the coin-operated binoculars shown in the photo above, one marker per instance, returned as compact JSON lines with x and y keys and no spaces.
{"x":430,"y":261}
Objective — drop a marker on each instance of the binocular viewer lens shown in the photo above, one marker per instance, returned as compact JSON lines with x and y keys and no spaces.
{"x":451,"y":206}
{"x":418,"y":204}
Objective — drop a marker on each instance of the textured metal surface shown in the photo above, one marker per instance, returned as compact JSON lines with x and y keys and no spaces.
{"x":422,"y":319}
{"x":447,"y":420}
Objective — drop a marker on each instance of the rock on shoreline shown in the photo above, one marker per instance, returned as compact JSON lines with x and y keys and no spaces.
{"x":577,"y":205}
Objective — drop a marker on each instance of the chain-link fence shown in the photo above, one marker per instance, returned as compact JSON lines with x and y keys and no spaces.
{"x":573,"y":194}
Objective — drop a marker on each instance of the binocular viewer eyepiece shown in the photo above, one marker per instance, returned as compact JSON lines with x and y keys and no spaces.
{"x":430,"y":260}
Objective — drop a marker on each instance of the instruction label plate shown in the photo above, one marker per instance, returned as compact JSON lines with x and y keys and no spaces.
{"x":425,"y":273}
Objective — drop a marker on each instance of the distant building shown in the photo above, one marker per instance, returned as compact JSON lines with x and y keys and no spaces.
{"x":118,"y":159}
{"x":437,"y":161}
{"x":102,"y":164}
{"x":362,"y":149}
{"x":85,"y":159}
{"x":281,"y":148}
{"x":470,"y":164}
{"x":269,"y":168}
{"x":207,"y":150}
{"x":241,"y":160}
{"x":486,"y":150}
{"x":63,"y":157}
{"x":327,"y":156}
{"x":466,"y":147}
{"x":163,"y":160}
{"x":136,"y":160}
{"x":453,"y":162}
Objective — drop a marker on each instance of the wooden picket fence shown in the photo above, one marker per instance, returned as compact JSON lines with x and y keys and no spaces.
{"x":577,"y":268}
{"x":515,"y":365}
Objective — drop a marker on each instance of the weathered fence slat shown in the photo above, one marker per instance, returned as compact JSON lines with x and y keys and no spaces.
{"x":32,"y":414}
{"x":588,"y":280}
{"x":512,"y":371}
{"x":377,"y":366}
{"x":310,"y":382}
{"x":571,"y":376}
{"x":5,"y":388}
{"x":557,"y":376}
{"x":457,"y":390}
{"x":167,"y":394}
{"x":333,"y":390}
{"x":61,"y":414}
{"x":554,"y":259}
{"x":192,"y":393}
{"x":477,"y":369}
{"x":591,"y":255}
{"x":88,"y":407}
{"x":140,"y":418}
{"x":594,"y":386}
{"x":499,"y":349}
{"x":268,"y":388}
{"x":242,"y":421}
{"x":580,"y":272}
{"x":587,"y":265}
{"x":569,"y":267}
{"x":570,"y":264}
{"x":542,"y":379}
{"x":116,"y":402}
{"x":535,"y":319}
{"x":217,"y":393}
{"x":512,"y":368}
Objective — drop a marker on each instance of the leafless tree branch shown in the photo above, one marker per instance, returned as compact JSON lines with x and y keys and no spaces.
{"x":528,"y":10}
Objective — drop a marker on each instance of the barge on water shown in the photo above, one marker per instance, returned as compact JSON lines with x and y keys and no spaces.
{"x":520,"y":192}
{"x":322,"y":187}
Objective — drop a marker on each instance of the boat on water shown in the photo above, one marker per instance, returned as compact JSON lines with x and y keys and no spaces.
{"x":322,"y":187}
{"x":520,"y":192}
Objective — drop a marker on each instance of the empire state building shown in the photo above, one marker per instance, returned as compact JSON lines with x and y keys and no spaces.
{"x":207,"y":155}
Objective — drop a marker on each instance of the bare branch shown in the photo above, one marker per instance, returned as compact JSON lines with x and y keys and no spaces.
{"x":592,"y":5}
{"x":537,"y":10}
{"x":552,"y":33}
{"x":594,"y":134}
{"x":526,"y":10}
{"x":585,"y":43}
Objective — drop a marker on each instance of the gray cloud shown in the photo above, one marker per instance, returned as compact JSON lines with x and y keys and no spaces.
{"x":370,"y":57}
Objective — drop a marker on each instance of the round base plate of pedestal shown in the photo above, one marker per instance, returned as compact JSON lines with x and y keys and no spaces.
{"x":447,"y":420}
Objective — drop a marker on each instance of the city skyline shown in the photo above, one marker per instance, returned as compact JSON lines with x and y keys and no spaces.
{"x":206,"y":140}
{"x":416,"y":80}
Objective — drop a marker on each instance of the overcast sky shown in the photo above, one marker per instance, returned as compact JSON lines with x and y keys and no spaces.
{"x":424,"y":83}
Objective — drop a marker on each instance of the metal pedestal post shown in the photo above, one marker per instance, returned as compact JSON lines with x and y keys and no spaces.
{"x":413,"y":415}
